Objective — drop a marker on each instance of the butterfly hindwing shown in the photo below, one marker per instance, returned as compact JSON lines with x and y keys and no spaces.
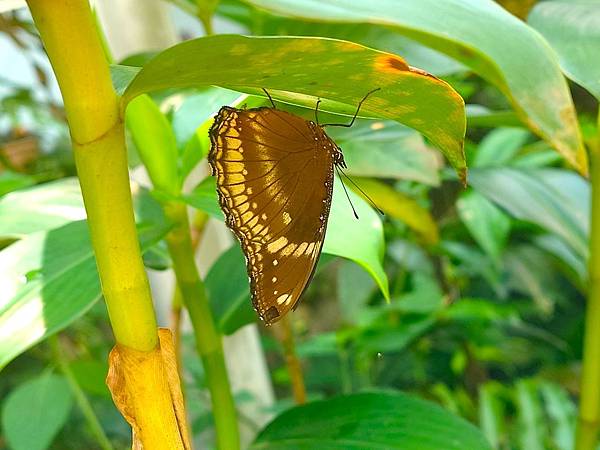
{"x":275,"y":180}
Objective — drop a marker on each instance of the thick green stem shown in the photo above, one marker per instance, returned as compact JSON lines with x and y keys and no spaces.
{"x":589,"y":404}
{"x":80,"y":398}
{"x":208,"y":340}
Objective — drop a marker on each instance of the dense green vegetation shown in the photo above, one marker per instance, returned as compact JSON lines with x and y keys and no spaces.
{"x":455,"y":321}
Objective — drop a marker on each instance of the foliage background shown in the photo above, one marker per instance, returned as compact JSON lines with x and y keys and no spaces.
{"x":486,"y":284}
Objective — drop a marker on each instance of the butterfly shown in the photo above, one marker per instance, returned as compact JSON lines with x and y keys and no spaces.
{"x":274,"y":173}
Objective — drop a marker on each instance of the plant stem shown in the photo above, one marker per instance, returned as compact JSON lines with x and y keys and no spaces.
{"x":80,"y":398}
{"x":197,"y":228}
{"x":69,"y":35}
{"x":293,"y":363}
{"x":588,"y":424}
{"x":208,"y":340}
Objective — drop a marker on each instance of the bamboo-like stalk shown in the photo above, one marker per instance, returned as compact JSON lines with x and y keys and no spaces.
{"x":588,"y":426}
{"x":208,"y":340}
{"x":69,"y":34}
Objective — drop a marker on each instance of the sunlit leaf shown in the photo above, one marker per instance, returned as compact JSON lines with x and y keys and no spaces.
{"x":481,"y":35}
{"x":49,"y":279}
{"x":300,"y":70}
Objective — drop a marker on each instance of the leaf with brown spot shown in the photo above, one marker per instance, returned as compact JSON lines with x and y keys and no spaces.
{"x":301,"y":70}
{"x":488,"y":39}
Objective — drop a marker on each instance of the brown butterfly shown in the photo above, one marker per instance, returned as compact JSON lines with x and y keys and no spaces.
{"x":275,"y":183}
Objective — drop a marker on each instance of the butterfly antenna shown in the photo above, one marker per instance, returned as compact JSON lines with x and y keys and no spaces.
{"x":363,"y":193}
{"x":347,"y":195}
{"x":348,"y":125}
{"x":317,"y":111}
{"x":270,"y":98}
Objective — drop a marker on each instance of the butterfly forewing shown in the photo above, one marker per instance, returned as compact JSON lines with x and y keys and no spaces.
{"x":274,"y":179}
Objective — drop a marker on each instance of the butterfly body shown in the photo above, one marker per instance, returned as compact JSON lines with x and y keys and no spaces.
{"x":275,"y":183}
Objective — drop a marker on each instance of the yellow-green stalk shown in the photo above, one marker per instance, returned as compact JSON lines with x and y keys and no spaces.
{"x":588,"y":425}
{"x":69,"y":34}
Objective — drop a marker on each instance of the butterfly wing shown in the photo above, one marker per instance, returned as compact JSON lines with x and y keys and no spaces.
{"x":275,"y":181}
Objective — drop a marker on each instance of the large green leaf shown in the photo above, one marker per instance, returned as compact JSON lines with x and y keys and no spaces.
{"x":57,"y":203}
{"x":358,"y":240}
{"x":49,"y":279}
{"x":42,"y":207}
{"x":556,"y":200}
{"x":300,"y":70}
{"x":384,"y":420}
{"x":374,"y":37}
{"x":573,"y":29}
{"x":386,"y":149}
{"x":481,"y":35}
{"x":35,"y":411}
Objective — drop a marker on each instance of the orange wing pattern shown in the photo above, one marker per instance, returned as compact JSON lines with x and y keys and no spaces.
{"x":275,"y":181}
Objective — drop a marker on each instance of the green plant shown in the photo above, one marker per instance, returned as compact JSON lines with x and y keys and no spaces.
{"x":470,"y":296}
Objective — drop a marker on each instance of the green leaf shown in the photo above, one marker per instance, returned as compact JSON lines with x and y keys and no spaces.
{"x":300,"y":70}
{"x":481,"y":35}
{"x":48,"y":280}
{"x":562,"y":413}
{"x":51,"y":205}
{"x":155,"y":143}
{"x":197,"y":109}
{"x":11,"y":181}
{"x":499,"y":146}
{"x":480,"y":116}
{"x":491,"y":412}
{"x":530,"y":272}
{"x":381,"y":339}
{"x":383,"y":420}
{"x":364,"y":34}
{"x":228,"y":292}
{"x":531,"y":420}
{"x":358,"y":240}
{"x":556,"y":200}
{"x":91,"y":376}
{"x":400,"y":206}
{"x":354,"y":287}
{"x":365,"y":234}
{"x":35,"y":411}
{"x":386,"y":149}
{"x":573,"y":29}
{"x":204,"y":197}
{"x":426,"y":297}
{"x":42,"y":207}
{"x":488,"y":225}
